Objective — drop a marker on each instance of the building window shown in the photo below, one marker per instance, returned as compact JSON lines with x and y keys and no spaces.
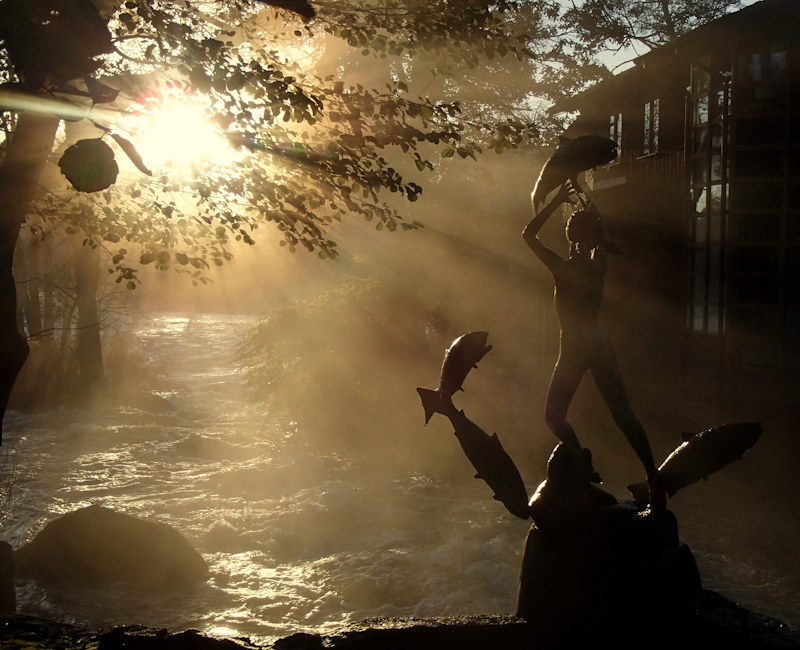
{"x":651,"y":123}
{"x":615,"y":133}
{"x":709,"y":201}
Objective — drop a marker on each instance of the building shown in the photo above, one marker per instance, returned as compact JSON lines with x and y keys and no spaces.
{"x":704,"y":197}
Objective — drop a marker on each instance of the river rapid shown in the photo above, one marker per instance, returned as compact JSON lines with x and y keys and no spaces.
{"x":297,"y":537}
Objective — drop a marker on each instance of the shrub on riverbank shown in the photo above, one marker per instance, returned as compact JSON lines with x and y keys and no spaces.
{"x":344,"y":363}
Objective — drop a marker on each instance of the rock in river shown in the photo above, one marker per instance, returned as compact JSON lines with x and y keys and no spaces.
{"x":97,"y":546}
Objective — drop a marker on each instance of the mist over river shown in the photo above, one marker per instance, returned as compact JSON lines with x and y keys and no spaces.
{"x":298,"y":536}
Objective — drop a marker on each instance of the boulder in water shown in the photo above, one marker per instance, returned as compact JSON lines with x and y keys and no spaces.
{"x":97,"y":546}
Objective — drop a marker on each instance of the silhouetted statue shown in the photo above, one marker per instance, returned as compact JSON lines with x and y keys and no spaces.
{"x":592,"y":568}
{"x":583,"y":346}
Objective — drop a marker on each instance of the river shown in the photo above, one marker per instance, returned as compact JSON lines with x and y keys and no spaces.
{"x":297,"y":537}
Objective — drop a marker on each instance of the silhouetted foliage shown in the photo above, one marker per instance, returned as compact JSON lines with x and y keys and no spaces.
{"x":89,"y":165}
{"x":602,"y":25}
{"x":51,"y":41}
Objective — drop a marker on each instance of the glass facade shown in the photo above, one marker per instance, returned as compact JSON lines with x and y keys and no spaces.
{"x":651,"y":127}
{"x":615,"y":133}
{"x":708,"y":171}
{"x":744,"y":218}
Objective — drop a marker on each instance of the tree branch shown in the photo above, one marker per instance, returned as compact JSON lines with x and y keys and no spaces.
{"x":53,"y":329}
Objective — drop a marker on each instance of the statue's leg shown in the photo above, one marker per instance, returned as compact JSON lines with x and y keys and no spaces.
{"x":609,"y":381}
{"x":566,"y":378}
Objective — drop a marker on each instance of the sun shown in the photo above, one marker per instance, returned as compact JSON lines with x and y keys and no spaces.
{"x":180,"y":133}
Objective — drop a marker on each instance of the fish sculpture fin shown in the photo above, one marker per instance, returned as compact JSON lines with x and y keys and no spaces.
{"x":431,"y":402}
{"x":640,"y":493}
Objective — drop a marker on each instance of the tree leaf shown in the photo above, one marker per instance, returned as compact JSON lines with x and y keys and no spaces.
{"x":300,"y":7}
{"x":89,"y":165}
{"x":130,"y":151}
{"x":100,"y":93}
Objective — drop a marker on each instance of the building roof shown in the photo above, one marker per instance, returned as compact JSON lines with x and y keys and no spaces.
{"x":753,"y":26}
{"x":739,"y":30}
{"x":618,"y":83}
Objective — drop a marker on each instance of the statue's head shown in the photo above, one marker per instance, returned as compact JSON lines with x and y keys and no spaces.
{"x":585,"y":229}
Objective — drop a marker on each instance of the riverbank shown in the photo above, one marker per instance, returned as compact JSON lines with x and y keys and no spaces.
{"x":709,"y":620}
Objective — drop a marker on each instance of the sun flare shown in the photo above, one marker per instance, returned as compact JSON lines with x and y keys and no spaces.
{"x":181,"y":134}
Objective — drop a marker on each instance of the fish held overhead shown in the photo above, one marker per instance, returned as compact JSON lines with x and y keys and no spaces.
{"x":702,"y":455}
{"x":572,"y":157}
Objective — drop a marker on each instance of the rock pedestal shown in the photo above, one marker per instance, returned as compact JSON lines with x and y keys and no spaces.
{"x":590,"y":562}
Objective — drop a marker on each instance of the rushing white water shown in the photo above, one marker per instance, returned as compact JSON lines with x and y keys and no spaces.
{"x":297,"y":537}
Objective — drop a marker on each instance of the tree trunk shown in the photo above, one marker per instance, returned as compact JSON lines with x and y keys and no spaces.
{"x":26,"y":260}
{"x":22,"y":166}
{"x":46,"y":265}
{"x":34,"y":281}
{"x":668,"y":22}
{"x":65,"y":345}
{"x":86,"y":262}
{"x":20,"y":271}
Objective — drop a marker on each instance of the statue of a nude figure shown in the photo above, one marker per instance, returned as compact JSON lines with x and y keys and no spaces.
{"x":583,"y":346}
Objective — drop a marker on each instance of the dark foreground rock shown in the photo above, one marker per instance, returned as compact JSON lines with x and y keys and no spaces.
{"x":97,"y":546}
{"x":8,"y":596}
{"x":593,"y":567}
{"x":706,"y":621}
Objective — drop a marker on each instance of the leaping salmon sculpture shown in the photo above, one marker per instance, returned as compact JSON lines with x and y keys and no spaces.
{"x":701,"y":455}
{"x":461,"y":357}
{"x":485,"y":452}
{"x":572,"y":157}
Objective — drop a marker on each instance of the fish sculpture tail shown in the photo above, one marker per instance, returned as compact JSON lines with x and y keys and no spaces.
{"x":640,"y":493}
{"x":433,"y":401}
